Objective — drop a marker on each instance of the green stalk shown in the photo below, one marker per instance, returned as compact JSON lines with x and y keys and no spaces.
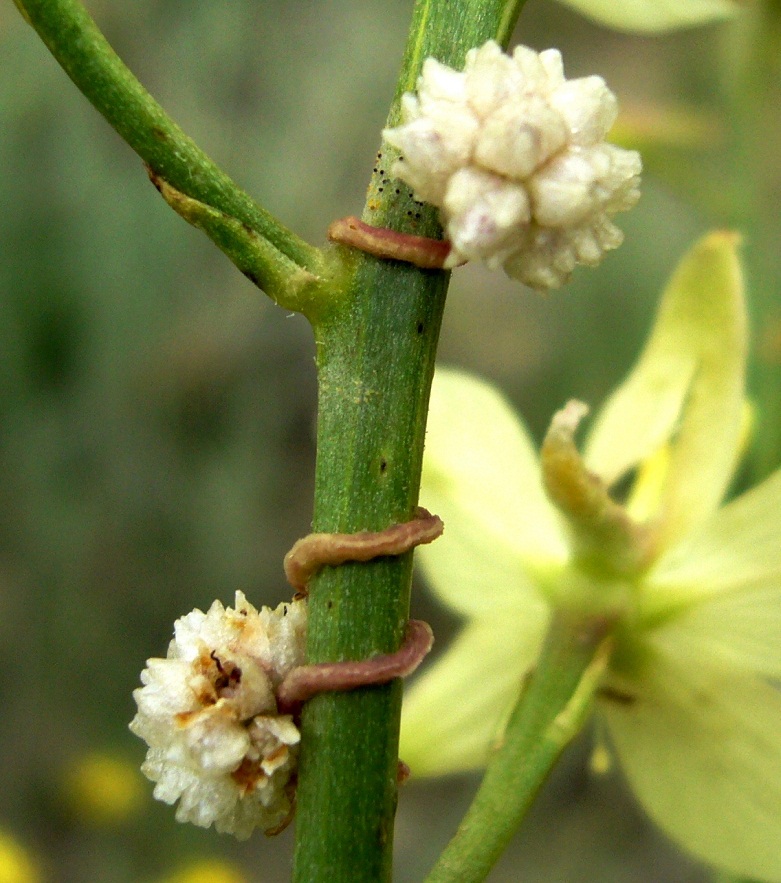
{"x":375,"y":360}
{"x":76,"y":42}
{"x":752,"y":209}
{"x":376,"y":343}
{"x":552,"y":710}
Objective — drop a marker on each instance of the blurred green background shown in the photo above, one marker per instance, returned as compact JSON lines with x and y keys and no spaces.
{"x":157,"y":412}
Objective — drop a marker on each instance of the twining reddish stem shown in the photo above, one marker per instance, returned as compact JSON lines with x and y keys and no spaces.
{"x":311,"y":553}
{"x":306,"y":681}
{"x":317,"y":550}
{"x":428,"y":254}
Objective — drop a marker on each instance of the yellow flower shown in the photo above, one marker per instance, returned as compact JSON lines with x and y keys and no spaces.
{"x":16,"y":865}
{"x":694,"y":589}
{"x":654,"y":15}
{"x":103,"y":789}
{"x":208,"y":871}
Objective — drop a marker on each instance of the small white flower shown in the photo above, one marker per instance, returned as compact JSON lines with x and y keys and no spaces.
{"x":209,"y":715}
{"x":513,"y":155}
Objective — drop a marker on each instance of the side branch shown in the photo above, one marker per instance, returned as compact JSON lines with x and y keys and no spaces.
{"x":286,"y":283}
{"x":77,"y":43}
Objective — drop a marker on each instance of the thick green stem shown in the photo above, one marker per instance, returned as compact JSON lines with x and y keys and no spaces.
{"x":76,"y":42}
{"x":375,"y":360}
{"x":551,"y":711}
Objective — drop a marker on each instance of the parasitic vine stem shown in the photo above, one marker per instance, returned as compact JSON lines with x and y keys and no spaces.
{"x":306,"y":681}
{"x":318,"y":550}
{"x":428,"y":254}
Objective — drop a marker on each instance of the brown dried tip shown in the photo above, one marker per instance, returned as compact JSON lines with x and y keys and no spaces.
{"x":602,"y":527}
{"x":429,"y":254}
{"x":403,"y":772}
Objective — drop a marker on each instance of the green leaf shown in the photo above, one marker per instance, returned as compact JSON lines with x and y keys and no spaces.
{"x":286,"y":283}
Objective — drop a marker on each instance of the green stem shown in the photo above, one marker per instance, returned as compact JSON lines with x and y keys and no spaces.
{"x":76,"y":42}
{"x":551,"y":711}
{"x":754,"y":173}
{"x":375,"y":359}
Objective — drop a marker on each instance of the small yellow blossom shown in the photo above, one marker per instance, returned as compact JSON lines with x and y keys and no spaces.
{"x":208,"y":871}
{"x":689,"y":701}
{"x":655,"y":15}
{"x":103,"y":789}
{"x":16,"y":865}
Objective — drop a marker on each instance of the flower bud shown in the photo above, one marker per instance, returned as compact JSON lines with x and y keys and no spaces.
{"x":514,"y":156}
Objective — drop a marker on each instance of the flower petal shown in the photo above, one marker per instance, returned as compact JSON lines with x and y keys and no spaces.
{"x":654,"y":15}
{"x":701,"y":747}
{"x":729,"y":575}
{"x":687,"y":389}
{"x":737,"y":549}
{"x":481,"y":475}
{"x":453,"y":713}
{"x":743,"y":629}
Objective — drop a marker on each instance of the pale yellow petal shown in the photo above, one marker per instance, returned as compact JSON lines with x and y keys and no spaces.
{"x":470,"y":568}
{"x":687,"y":389}
{"x":701,"y":747}
{"x":481,"y":476}
{"x":454,"y":711}
{"x":721,"y":589}
{"x":737,"y":550}
{"x":654,"y":15}
{"x":743,"y":629}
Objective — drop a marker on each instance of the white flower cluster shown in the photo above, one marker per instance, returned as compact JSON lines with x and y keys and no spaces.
{"x":513,"y":155}
{"x":209,"y":715}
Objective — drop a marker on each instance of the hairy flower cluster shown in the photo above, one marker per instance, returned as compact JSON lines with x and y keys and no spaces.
{"x":513,"y":155}
{"x":209,"y":715}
